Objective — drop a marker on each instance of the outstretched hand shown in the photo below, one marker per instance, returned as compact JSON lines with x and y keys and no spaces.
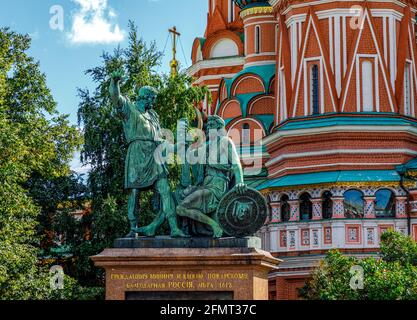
{"x":241,"y":188}
{"x":117,"y":76}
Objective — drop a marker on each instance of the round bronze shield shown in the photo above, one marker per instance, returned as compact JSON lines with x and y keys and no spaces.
{"x":242,"y":215}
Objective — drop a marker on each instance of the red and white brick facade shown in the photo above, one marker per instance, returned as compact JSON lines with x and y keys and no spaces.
{"x":325,"y":94}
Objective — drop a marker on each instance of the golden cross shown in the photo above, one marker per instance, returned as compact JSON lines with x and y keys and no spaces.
{"x":174,"y":62}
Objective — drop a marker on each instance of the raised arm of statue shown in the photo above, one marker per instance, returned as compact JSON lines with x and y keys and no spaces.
{"x":115,"y":95}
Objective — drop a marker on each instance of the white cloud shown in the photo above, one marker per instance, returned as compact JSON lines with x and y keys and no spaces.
{"x":77,"y":166}
{"x":93,"y":23}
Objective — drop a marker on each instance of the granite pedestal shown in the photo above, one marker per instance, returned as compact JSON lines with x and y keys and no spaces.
{"x":186,"y":269}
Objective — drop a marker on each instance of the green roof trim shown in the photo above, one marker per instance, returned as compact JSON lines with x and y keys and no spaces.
{"x":252,"y":149}
{"x":266,"y":72}
{"x":332,"y":177}
{"x":369,"y":118}
{"x":409,"y":166}
{"x":202,"y":41}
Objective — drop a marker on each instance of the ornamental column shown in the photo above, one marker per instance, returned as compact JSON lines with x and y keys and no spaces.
{"x":413,"y":203}
{"x":401,"y":207}
{"x":276,"y":212}
{"x":338,"y":208}
{"x":317,"y":208}
{"x":294,"y":210}
{"x":369,"y":212}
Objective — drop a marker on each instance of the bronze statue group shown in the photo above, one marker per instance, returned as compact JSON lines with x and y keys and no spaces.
{"x":192,"y":209}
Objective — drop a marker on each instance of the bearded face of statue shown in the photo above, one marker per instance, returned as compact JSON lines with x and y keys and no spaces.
{"x":215,"y":125}
{"x":146,"y":98}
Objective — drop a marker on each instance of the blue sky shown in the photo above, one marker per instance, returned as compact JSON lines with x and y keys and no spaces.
{"x":91,"y":27}
{"x":64,"y":58}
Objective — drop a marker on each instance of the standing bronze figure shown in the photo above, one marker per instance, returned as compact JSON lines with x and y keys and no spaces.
{"x":143,"y":134}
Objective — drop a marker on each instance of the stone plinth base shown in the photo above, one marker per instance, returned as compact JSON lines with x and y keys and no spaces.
{"x":145,"y":271}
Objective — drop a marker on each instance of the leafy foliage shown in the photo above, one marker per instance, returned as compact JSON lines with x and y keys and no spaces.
{"x":34,"y":140}
{"x":392,"y":277}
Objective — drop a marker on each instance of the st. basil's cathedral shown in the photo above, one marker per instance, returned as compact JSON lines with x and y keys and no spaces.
{"x":323,"y":94}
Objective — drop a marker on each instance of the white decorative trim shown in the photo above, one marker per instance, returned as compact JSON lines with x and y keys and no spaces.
{"x":259,"y":63}
{"x":410,"y":39}
{"x":215,"y":63}
{"x":337,"y":67}
{"x":214,"y":77}
{"x":248,"y":120}
{"x":244,"y":77}
{"x":256,"y":100}
{"x":258,"y":17}
{"x":261,"y":54}
{"x":260,"y":22}
{"x":380,"y":64}
{"x":311,"y":23}
{"x":227,"y":104}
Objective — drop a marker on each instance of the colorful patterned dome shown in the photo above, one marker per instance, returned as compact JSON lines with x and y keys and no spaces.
{"x":245,"y":4}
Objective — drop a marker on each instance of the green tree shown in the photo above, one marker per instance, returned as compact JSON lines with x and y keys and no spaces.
{"x":34,"y":140}
{"x":58,"y":199}
{"x":393,"y":276}
{"x":105,"y":147}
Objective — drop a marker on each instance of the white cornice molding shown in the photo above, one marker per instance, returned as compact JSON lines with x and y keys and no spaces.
{"x":215,"y":63}
{"x":260,"y":63}
{"x":214,"y":77}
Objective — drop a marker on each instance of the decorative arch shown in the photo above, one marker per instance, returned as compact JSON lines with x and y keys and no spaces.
{"x":230,"y":109}
{"x":247,"y":83}
{"x":222,"y":91}
{"x":271,"y":88}
{"x":224,"y":48}
{"x":236,"y":126}
{"x":216,"y":37}
{"x":262,"y":104}
{"x":196,"y":51}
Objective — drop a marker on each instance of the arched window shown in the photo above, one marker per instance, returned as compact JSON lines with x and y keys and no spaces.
{"x":285,"y":208}
{"x":224,"y":48}
{"x":354,"y":204}
{"x":384,"y":203}
{"x":257,"y":39}
{"x":327,"y":205}
{"x":314,"y":90}
{"x":245,"y":134}
{"x":306,"y":207}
